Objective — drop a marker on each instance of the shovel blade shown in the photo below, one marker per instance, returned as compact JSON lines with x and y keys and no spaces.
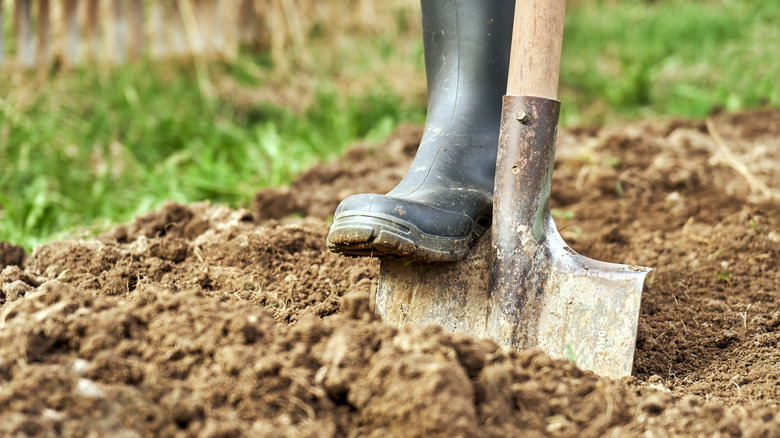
{"x":587,"y":314}
{"x":589,"y":310}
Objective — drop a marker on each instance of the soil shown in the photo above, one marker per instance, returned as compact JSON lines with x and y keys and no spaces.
{"x":200,"y":320}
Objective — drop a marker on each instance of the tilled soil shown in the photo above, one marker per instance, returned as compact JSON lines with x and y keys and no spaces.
{"x":204,"y":321}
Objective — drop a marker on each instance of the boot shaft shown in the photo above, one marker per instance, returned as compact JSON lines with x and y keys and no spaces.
{"x":467,"y":46}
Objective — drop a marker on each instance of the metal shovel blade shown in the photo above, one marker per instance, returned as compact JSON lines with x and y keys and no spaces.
{"x":522,"y":286}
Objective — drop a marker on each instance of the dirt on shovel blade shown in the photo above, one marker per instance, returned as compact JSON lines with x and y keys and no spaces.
{"x":204,"y":321}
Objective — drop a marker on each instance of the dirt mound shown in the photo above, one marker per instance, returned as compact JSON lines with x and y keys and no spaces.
{"x":204,"y":321}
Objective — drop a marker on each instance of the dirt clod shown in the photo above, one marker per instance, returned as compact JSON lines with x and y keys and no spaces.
{"x":11,"y":255}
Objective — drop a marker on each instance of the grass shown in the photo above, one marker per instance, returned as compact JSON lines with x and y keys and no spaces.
{"x":629,"y":59}
{"x":143,"y":134}
{"x":85,"y":149}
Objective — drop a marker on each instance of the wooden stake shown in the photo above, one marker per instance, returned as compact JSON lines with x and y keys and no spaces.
{"x":218,"y":28}
{"x":93,"y":29}
{"x":247,"y":23}
{"x":71,"y":49}
{"x":120,"y":30}
{"x":190,"y":26}
{"x":42,"y":47}
{"x":176,"y":32}
{"x":25,"y":51}
{"x":293,"y":22}
{"x":278,"y":30}
{"x":137,"y":37}
{"x":157,"y":43}
{"x":195,"y":28}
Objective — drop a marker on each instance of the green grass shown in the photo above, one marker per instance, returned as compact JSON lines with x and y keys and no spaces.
{"x":115,"y":146}
{"x":89,"y":148}
{"x":631,"y":59}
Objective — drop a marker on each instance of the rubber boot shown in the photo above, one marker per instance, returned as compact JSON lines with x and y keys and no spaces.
{"x":445,"y":200}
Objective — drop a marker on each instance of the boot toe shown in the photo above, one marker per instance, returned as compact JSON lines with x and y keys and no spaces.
{"x":382,"y":225}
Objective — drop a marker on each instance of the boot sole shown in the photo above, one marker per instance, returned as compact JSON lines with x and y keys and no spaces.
{"x":358,"y":234}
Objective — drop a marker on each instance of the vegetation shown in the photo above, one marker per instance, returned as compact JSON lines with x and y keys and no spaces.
{"x":628,"y":59}
{"x":82,"y":149}
{"x":114,"y":147}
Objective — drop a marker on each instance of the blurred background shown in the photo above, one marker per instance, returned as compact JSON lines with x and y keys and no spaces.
{"x":110,"y":107}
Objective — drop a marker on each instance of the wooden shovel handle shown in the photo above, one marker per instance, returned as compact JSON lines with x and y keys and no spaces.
{"x":536,"y":48}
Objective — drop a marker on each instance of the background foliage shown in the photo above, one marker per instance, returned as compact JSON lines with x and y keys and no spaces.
{"x":82,"y":149}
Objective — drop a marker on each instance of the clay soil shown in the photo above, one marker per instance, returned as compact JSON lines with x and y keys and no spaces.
{"x":200,"y":320}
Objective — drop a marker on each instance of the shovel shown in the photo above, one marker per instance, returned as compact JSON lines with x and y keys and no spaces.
{"x":521,"y":285}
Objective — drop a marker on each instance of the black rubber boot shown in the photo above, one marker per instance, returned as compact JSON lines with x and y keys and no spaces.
{"x":445,"y":201}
